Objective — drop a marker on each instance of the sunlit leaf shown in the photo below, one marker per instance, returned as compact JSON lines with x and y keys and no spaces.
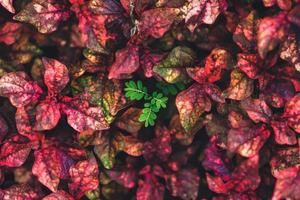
{"x":20,"y":92}
{"x":240,"y":86}
{"x":45,"y":15}
{"x":191,"y":103}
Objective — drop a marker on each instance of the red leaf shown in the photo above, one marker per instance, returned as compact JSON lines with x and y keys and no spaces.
{"x":191,"y":103}
{"x":271,"y":31}
{"x":257,"y":110}
{"x":159,"y":147}
{"x":206,"y":11}
{"x":23,"y":122}
{"x":14,"y":154}
{"x":45,"y":15}
{"x":285,"y":167}
{"x":156,"y":22}
{"x":287,"y":188}
{"x":184,"y":184}
{"x":56,"y":75}
{"x":84,"y":177}
{"x":285,"y":163}
{"x":216,"y":184}
{"x":246,"y":177}
{"x":19,"y":192}
{"x":218,"y":60}
{"x":59,"y":195}
{"x":48,"y":115}
{"x":292,"y":112}
{"x":150,"y":189}
{"x":92,"y":26}
{"x":247,"y":141}
{"x":248,"y":63}
{"x":19,"y":91}
{"x":81,"y":116}
{"x":125,"y":177}
{"x":8,"y":5}
{"x":283,"y":134}
{"x":127,"y":62}
{"x":10,"y":32}
{"x":50,"y":165}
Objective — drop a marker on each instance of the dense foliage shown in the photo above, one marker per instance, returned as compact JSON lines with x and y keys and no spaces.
{"x":149,"y":99}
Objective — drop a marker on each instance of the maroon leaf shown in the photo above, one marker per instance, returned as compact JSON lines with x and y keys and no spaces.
{"x":56,"y":75}
{"x":8,"y":5}
{"x":10,"y":32}
{"x":3,"y":128}
{"x":271,"y":31}
{"x":216,"y":161}
{"x":129,"y":120}
{"x":84,"y":177}
{"x":45,"y":15}
{"x":247,"y":141}
{"x":278,"y":92}
{"x":19,"y":192}
{"x":184,"y":184}
{"x":48,"y":115}
{"x":283,"y":134}
{"x":203,"y":12}
{"x":292,"y":112}
{"x":150,"y":189}
{"x":19,"y":91}
{"x":191,"y":103}
{"x":59,"y":195}
{"x":82,"y":117}
{"x":246,"y":177}
{"x":257,"y":110}
{"x":127,"y":62}
{"x":156,"y":22}
{"x":293,"y":15}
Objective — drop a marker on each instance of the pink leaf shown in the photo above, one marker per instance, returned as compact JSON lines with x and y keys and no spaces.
{"x":10,"y":32}
{"x":56,"y":75}
{"x":8,"y":5}
{"x":82,"y":117}
{"x":19,"y":91}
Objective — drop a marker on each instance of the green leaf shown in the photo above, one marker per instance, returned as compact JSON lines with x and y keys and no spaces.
{"x":135,"y":91}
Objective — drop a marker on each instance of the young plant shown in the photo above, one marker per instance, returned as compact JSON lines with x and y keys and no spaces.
{"x":154,"y":101}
